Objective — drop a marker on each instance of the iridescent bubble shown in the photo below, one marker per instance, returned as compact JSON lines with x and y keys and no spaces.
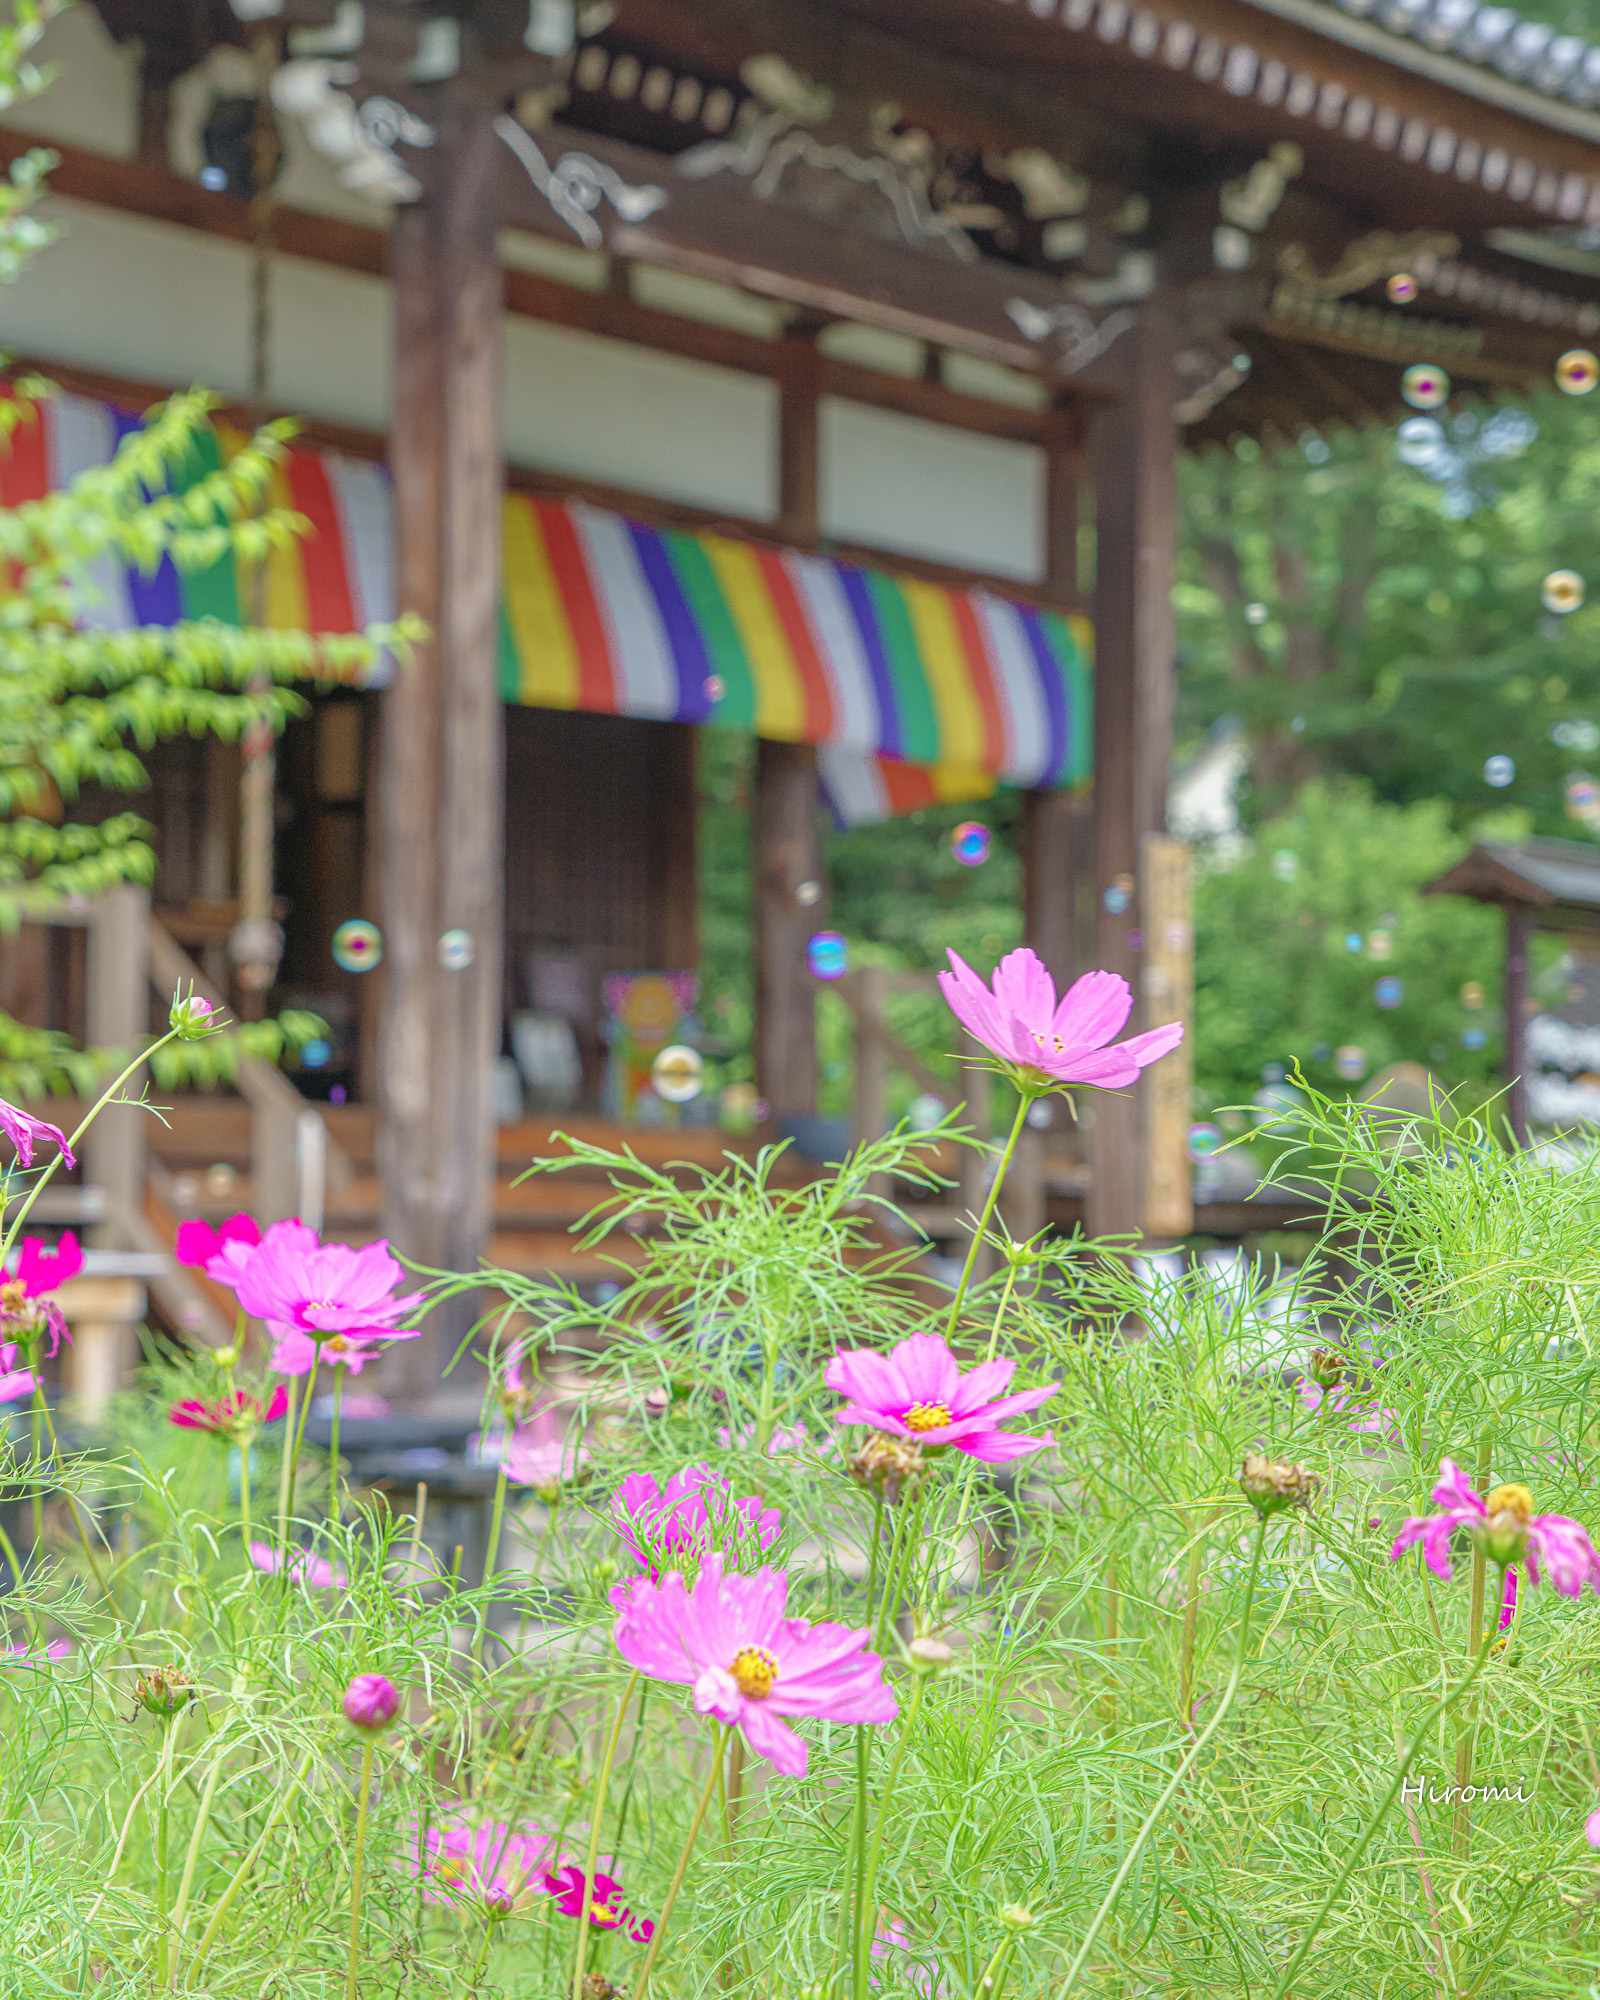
{"x":971,"y":842}
{"x":1420,"y":440}
{"x":808,"y":895}
{"x":1353,"y":941}
{"x":1350,"y":1062}
{"x":828,"y":955}
{"x":1499,"y":771}
{"x":316,"y":1054}
{"x":1424,"y":386}
{"x":1388,"y":991}
{"x":221,"y":1179}
{"x":926,"y":1111}
{"x":1402,"y":288}
{"x":1474,"y":1038}
{"x":1286,"y":864}
{"x":1472,"y":994}
{"x":1116,"y":900}
{"x":1273,"y":1072}
{"x":1583,"y":795}
{"x":1380,"y":945}
{"x":456,"y":950}
{"x":1562,"y":591}
{"x":677,"y":1073}
{"x":1255,"y":614}
{"x":1202,"y":1140}
{"x":1040,"y":1116}
{"x":714,"y":687}
{"x":357,"y":945}
{"x":1277,"y":1101}
{"x":1136,"y":940}
{"x":1577,"y":371}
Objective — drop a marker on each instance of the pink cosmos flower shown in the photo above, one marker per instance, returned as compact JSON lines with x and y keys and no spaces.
{"x":1018,"y":1019}
{"x":487,"y":1862}
{"x":197,"y":1243}
{"x":40,"y":1270}
{"x":228,"y":1415}
{"x":1508,"y":1601}
{"x":22,"y":1131}
{"x":530,"y":1460}
{"x":1591,"y":1828}
{"x":1342,"y":1402}
{"x":785,"y":1440}
{"x":15,"y":1382}
{"x":748,"y":1663}
{"x":26,"y":1303}
{"x":301,"y":1564}
{"x":1506,"y":1528}
{"x":295,"y":1282}
{"x":917,"y":1391}
{"x":30,"y":1656}
{"x":675,"y":1526}
{"x":606,"y":1910}
{"x":297,"y":1353}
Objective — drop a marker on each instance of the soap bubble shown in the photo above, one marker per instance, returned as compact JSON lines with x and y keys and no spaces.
{"x":1402,"y":288}
{"x":316,"y":1054}
{"x":926,"y":1111}
{"x":1425,"y":387}
{"x":1255,"y":614}
{"x":1286,"y":864}
{"x":1576,"y":733}
{"x":1353,"y":941}
{"x":1499,"y":771}
{"x":221,"y":1179}
{"x":1203,"y":1140}
{"x":1116,"y":900}
{"x":1420,"y":440}
{"x":677,"y":1073}
{"x":970,"y":843}
{"x":1040,"y":1116}
{"x":1577,"y":371}
{"x":1583,"y":796}
{"x":1273,"y":1072}
{"x":828,"y":955}
{"x":1562,"y":591}
{"x":1472,"y":994}
{"x":1350,"y":1062}
{"x":1380,"y":944}
{"x":1276,"y":1101}
{"x":456,"y":950}
{"x":714,"y":687}
{"x":1388,"y":991}
{"x":1473,"y":1038}
{"x":808,"y":895}
{"x":357,"y":945}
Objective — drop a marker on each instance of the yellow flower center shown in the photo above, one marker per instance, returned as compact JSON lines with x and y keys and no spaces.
{"x":754,"y":1669}
{"x":1514,"y":1500}
{"x":926,"y":1417}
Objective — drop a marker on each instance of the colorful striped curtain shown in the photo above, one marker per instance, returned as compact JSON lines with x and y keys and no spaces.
{"x":914,"y":691}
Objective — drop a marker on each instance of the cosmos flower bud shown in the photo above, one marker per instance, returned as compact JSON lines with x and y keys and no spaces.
{"x":225,"y":1357}
{"x":1327,"y":1367}
{"x":164,"y":1690}
{"x":371,"y":1702}
{"x":1270,"y":1484}
{"x":596,"y":1986}
{"x":886,"y":1465}
{"x":191,"y":1016}
{"x":929,"y":1656}
{"x":1017,"y":1917}
{"x":1509,"y":1509}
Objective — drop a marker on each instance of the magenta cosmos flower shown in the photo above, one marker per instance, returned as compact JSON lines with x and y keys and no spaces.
{"x":489,"y":1863}
{"x":229,"y":1415}
{"x":917,"y":1391}
{"x":1507,"y":1529}
{"x":298,"y":1353}
{"x":532,"y":1460}
{"x":607,"y":1911}
{"x":747,"y":1662}
{"x":301,"y":1564}
{"x":197,"y":1243}
{"x":301,"y":1285}
{"x":27,"y":1308}
{"x":1018,"y":1019}
{"x":15,"y":1382}
{"x":22,"y":1131}
{"x":675,"y":1526}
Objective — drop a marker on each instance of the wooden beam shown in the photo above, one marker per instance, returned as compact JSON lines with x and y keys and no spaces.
{"x":442,"y":774}
{"x":785,"y":855}
{"x":152,"y":190}
{"x":1135,"y":455}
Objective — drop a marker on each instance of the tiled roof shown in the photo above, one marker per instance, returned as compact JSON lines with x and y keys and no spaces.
{"x":1523,"y":51}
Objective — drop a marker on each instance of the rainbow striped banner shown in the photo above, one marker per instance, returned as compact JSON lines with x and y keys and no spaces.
{"x":914,"y":691}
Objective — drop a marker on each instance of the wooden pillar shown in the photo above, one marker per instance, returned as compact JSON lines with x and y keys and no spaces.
{"x":117,"y":1016}
{"x":785,"y":856}
{"x":1134,"y":450}
{"x":442,"y":760}
{"x":1519,"y":932}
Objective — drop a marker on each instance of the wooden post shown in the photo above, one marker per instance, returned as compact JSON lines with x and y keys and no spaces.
{"x":1519,"y":931}
{"x":1135,"y":453}
{"x":785,"y":855}
{"x":442,"y":764}
{"x":118,"y":1017}
{"x":1166,"y":878}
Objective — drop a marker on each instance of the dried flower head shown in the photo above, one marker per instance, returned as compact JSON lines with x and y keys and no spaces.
{"x":597,"y":1987}
{"x":164,"y":1690}
{"x":886,"y":1466}
{"x":929,"y":1656}
{"x":1327,"y":1367}
{"x":1270,"y":1484}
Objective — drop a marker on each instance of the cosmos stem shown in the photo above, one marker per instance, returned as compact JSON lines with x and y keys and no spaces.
{"x":719,"y":1738}
{"x":982,"y":1230}
{"x":591,"y":1859}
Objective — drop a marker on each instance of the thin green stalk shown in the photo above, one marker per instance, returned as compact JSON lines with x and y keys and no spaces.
{"x":642,"y":1983}
{"x":244,"y":1444}
{"x":627,"y":1796}
{"x":1190,"y":1759}
{"x":163,"y":1802}
{"x":491,"y":1553}
{"x":180,"y":1909}
{"x":294,"y":1461}
{"x":335,"y":1498}
{"x":970,"y":1478}
{"x":867,"y":1926}
{"x":858,"y":1860}
{"x":1023,"y":1101}
{"x":994,"y":1976}
{"x":1359,"y":1845}
{"x":1466,"y":1749}
{"x":354,"y":1966}
{"x":37,"y":1429}
{"x":283,"y":1466}
{"x":242,"y":1873}
{"x":601,"y":1786}
{"x":42,"y":1409}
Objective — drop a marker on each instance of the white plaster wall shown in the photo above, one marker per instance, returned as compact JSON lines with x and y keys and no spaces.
{"x":605,"y":410}
{"x":898,"y":483}
{"x":93,"y":101}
